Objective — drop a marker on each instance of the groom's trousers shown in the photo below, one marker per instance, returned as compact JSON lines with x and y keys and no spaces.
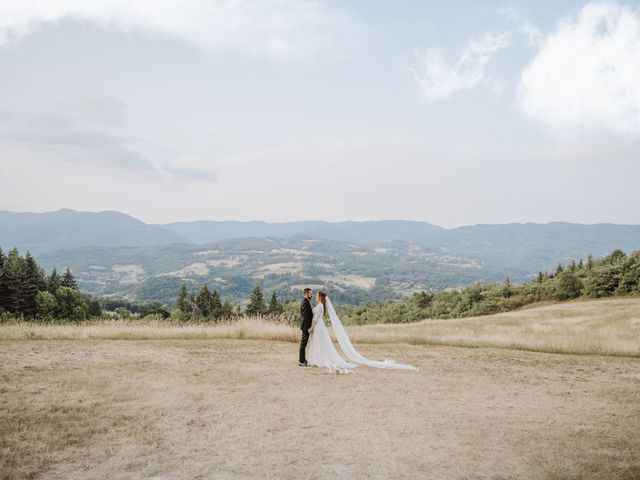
{"x":303,"y":345}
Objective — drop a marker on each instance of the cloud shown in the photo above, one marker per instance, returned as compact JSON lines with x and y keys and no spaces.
{"x":58,"y":134}
{"x":438,"y":79}
{"x":263,"y":27}
{"x":68,"y":138}
{"x":586,"y":76}
{"x":519,"y":17}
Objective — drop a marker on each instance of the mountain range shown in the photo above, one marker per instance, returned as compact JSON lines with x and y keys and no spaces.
{"x":112,"y":253}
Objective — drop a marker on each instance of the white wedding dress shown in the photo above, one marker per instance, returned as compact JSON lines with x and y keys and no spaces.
{"x":322,"y":353}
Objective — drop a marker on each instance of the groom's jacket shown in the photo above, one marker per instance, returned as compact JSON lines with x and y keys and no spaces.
{"x":306,"y":314}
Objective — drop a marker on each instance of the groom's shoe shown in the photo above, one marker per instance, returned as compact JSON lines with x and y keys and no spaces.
{"x":303,"y":364}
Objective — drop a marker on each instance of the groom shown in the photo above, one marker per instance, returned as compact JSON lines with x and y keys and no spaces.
{"x":306,"y":315}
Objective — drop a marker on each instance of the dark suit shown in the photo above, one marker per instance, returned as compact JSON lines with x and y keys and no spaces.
{"x":306,"y":316}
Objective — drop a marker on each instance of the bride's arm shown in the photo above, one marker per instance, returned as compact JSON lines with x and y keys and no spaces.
{"x":317,"y":316}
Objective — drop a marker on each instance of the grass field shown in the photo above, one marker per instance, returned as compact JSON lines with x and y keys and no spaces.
{"x":493,"y":399}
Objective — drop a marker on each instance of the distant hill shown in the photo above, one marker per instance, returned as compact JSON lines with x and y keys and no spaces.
{"x":114,"y":254}
{"x":372,"y":231}
{"x":524,"y":248}
{"x":44,"y":232}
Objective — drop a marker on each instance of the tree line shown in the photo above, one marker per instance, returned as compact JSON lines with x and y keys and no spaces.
{"x":27,"y":292}
{"x":617,"y":274}
{"x":207,"y":304}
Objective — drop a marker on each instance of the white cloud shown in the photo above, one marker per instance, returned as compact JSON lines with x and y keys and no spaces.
{"x":586,"y":76}
{"x":519,"y":17}
{"x":438,"y":79}
{"x":263,"y":27}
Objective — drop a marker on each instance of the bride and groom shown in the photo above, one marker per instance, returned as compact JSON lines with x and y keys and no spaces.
{"x":316,"y":347}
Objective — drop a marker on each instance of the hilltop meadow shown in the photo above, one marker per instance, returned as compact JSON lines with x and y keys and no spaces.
{"x":547,"y":392}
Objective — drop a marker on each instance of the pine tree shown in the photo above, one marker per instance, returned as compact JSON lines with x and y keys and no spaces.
{"x":182,"y":303}
{"x":16,"y":280}
{"x":275,"y":307}
{"x":53,"y":282}
{"x":256,"y":302}
{"x":559,"y":269}
{"x":203,"y":300}
{"x":68,"y":280}
{"x":4,"y":294}
{"x":216,"y":305}
{"x":540,"y":277}
{"x":589,"y":262}
{"x":34,"y":282}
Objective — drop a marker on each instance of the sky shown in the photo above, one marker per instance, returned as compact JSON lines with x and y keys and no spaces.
{"x":454,"y":113}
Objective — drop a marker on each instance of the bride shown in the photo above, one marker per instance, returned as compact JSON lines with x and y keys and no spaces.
{"x":322,"y":353}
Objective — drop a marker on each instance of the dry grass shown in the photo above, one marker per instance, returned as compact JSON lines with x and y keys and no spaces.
{"x":600,"y":327}
{"x":597,"y":327}
{"x":238,"y":409}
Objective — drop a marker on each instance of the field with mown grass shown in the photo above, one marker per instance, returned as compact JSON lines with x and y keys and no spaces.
{"x":548,"y":392}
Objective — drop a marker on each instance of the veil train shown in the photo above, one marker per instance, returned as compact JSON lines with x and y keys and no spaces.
{"x":351,"y":353}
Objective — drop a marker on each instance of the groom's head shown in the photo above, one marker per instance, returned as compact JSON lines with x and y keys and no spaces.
{"x":307,"y":293}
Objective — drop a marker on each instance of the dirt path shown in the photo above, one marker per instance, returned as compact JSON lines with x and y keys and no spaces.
{"x":243,"y":409}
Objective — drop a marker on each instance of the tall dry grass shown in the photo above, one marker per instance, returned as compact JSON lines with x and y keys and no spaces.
{"x":600,"y":327}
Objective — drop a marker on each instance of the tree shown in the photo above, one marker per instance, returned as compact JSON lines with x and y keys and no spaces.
{"x":68,"y":280}
{"x":507,"y":290}
{"x":71,"y":304}
{"x":589,"y":262}
{"x":16,"y":280}
{"x":216,"y":305}
{"x":182,"y":303}
{"x":4,"y":294}
{"x":53,"y":282}
{"x":46,"y":305}
{"x":227,"y":309}
{"x":256,"y":302}
{"x":203,"y":300}
{"x":559,"y":269}
{"x":34,"y":282}
{"x":569,"y":286}
{"x":275,"y":307}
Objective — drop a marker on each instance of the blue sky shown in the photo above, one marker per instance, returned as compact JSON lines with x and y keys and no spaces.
{"x":450,"y":112}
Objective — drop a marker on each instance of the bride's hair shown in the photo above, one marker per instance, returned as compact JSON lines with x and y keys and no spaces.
{"x":323,"y":300}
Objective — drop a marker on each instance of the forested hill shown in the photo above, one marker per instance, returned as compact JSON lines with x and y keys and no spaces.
{"x":114,"y":254}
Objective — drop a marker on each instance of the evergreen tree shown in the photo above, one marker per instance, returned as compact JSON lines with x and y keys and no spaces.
{"x":182,"y":303}
{"x":589,"y":262}
{"x":215,"y":305}
{"x":540,"y":277}
{"x":203,"y":300}
{"x":34,"y":282}
{"x":559,"y":269}
{"x":53,"y":282}
{"x":4,"y":294}
{"x":15,"y":276}
{"x":256,"y":302}
{"x":68,"y":280}
{"x":275,"y":307}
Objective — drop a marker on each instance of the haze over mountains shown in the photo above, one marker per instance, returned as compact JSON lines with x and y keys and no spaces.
{"x":115,"y":254}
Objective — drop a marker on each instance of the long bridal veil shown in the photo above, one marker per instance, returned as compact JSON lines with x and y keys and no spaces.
{"x":350,"y":352}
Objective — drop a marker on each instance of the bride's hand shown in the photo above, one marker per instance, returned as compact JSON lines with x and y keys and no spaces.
{"x":311,"y":330}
